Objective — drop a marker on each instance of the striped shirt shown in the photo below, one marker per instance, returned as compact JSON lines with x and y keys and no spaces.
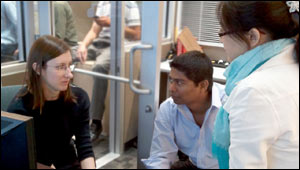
{"x":132,"y":15}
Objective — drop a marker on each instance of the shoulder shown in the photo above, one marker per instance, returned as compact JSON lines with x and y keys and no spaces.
{"x":131,"y":4}
{"x":167,"y":109}
{"x":79,"y":93}
{"x":220,"y":88}
{"x":102,"y":4}
{"x":21,"y":105}
{"x":218,"y":92}
{"x":168,"y":104}
{"x":274,"y":81}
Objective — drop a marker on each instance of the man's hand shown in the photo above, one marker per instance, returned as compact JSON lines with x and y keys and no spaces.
{"x":16,"y":52}
{"x":82,"y":53}
{"x":103,"y":21}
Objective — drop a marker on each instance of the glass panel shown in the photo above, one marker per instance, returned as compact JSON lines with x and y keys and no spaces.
{"x":9,"y":38}
{"x":85,"y":26}
{"x":92,"y":22}
{"x":36,"y":18}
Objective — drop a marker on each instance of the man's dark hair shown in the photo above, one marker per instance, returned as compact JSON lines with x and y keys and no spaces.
{"x":196,"y":66}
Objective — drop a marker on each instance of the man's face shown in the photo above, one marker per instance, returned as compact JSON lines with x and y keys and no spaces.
{"x":182,"y":89}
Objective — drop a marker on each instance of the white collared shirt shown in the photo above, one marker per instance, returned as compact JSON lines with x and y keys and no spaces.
{"x":264,"y":116}
{"x":132,"y":15}
{"x":175,"y":129}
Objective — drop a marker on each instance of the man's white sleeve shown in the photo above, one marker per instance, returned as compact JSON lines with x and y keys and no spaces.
{"x":163,"y":148}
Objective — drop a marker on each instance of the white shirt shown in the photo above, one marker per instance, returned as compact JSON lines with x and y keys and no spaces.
{"x":175,"y":129}
{"x":264,"y":116}
{"x":132,"y":15}
{"x":8,"y":22}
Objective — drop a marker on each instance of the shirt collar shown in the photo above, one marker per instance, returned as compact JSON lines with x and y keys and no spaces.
{"x":216,"y":96}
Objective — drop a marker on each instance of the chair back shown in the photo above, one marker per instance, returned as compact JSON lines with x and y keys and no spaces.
{"x":7,"y":94}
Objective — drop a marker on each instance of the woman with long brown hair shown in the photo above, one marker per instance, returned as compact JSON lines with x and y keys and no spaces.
{"x":60,"y":111}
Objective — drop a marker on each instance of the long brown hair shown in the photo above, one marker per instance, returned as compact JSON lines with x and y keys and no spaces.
{"x":44,"y":49}
{"x":271,"y":16}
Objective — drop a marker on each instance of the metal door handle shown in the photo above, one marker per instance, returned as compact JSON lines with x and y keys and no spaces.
{"x":132,"y":51}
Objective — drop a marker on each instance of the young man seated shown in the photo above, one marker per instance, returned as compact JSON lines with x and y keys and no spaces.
{"x":184,"y":122}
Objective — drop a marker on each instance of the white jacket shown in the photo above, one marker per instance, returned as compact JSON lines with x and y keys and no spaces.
{"x":264,"y":116}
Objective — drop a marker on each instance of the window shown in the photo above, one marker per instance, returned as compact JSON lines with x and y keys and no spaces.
{"x":200,"y":17}
{"x":10,"y":39}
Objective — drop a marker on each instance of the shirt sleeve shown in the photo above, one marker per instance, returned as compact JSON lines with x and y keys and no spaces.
{"x":253,"y":128}
{"x":103,"y":9}
{"x":11,"y":10}
{"x":163,"y":148}
{"x":83,"y":140}
{"x":132,"y":14}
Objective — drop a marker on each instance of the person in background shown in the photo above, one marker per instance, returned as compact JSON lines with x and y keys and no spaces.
{"x":99,"y":50}
{"x":185,"y":121}
{"x":258,"y":126}
{"x":59,"y":110}
{"x":9,"y":41}
{"x":65,"y":26}
{"x":64,"y":23}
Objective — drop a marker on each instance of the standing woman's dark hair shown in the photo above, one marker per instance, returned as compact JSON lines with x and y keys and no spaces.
{"x":44,"y":49}
{"x":273,"y":17}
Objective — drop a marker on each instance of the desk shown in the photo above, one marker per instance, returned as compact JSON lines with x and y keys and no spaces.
{"x":217,"y":75}
{"x":18,"y":150}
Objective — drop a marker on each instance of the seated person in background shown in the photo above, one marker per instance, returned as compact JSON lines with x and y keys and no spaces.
{"x":185,"y":121}
{"x":64,"y":23}
{"x":65,"y":26}
{"x":58,"y":109}
{"x":96,"y":46}
{"x":9,"y":44}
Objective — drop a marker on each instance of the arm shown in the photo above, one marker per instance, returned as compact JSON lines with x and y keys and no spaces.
{"x":82,"y":133}
{"x":131,"y":32}
{"x":71,"y":33}
{"x":88,"y":163}
{"x":91,"y":35}
{"x":60,"y":20}
{"x":11,"y":12}
{"x":163,"y":148}
{"x":42,"y":166}
{"x":253,"y":129}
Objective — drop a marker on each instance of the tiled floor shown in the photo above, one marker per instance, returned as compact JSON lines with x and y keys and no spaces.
{"x":128,"y":160}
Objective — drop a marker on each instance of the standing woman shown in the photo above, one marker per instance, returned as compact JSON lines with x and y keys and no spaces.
{"x":59,"y":110}
{"x":258,"y":126}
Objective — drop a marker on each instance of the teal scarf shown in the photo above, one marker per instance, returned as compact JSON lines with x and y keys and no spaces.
{"x":239,"y":69}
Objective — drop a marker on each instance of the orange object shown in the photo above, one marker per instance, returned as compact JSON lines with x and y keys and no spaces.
{"x":187,"y":41}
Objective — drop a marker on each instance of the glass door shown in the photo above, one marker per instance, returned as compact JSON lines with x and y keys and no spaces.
{"x":121,"y":72}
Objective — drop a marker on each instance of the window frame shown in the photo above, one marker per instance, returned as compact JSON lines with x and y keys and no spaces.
{"x":179,"y":26}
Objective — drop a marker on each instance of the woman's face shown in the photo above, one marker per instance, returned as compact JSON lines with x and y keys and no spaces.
{"x":57,"y":73}
{"x":233,"y":47}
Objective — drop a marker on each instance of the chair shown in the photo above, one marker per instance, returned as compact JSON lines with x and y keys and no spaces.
{"x":7,"y":94}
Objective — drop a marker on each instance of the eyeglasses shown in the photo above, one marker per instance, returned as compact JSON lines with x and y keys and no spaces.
{"x":225,"y":33}
{"x":231,"y":32}
{"x":61,"y":67}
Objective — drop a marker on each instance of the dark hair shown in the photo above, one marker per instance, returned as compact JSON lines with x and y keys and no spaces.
{"x":271,"y":16}
{"x":44,"y":49}
{"x":196,"y":66}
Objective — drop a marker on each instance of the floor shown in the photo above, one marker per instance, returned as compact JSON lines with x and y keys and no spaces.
{"x":128,"y":160}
